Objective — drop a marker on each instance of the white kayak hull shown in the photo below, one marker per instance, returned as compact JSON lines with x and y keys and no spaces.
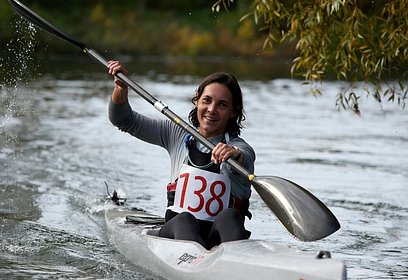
{"x":245,"y":259}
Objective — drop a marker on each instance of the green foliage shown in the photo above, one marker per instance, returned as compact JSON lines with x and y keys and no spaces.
{"x":357,"y":40}
{"x":160,"y":27}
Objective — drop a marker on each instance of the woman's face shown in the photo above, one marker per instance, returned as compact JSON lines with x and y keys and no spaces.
{"x":214,"y":109}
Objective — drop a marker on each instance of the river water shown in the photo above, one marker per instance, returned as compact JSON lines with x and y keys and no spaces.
{"x":58,"y":149}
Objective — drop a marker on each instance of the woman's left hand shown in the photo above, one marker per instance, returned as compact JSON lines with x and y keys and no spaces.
{"x":223,"y":152}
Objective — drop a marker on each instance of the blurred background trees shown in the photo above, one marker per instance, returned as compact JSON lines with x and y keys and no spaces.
{"x":361,"y":42}
{"x":145,"y":27}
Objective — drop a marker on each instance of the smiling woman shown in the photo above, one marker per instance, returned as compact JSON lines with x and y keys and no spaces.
{"x":219,"y":91}
{"x":214,"y":110}
{"x":207,"y":201}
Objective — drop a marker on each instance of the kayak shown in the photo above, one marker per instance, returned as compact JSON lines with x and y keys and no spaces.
{"x":132,"y":232}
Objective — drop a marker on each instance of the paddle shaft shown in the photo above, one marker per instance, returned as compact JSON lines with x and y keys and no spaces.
{"x":164,"y":109}
{"x":31,"y":16}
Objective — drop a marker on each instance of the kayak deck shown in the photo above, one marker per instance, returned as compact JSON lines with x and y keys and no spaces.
{"x":179,"y":259}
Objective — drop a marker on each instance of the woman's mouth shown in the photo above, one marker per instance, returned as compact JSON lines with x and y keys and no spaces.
{"x":211,"y":119}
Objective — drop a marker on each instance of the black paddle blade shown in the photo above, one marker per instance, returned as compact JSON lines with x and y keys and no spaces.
{"x":35,"y":19}
{"x":300,"y":212}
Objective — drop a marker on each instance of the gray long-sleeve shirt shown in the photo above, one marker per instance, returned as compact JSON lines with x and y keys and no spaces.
{"x":168,"y":135}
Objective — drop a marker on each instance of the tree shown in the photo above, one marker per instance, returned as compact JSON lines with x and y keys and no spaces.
{"x":356,"y":40}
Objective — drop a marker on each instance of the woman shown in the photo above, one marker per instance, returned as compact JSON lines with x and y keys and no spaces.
{"x":207,"y":201}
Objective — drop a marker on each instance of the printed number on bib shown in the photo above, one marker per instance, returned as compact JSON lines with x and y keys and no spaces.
{"x":204,"y":194}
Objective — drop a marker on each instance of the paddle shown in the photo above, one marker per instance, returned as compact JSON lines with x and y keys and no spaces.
{"x":300,"y":212}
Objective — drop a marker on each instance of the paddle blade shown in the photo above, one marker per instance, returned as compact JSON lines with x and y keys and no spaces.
{"x":300,"y":212}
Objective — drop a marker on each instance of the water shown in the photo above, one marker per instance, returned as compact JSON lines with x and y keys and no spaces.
{"x":58,"y":148}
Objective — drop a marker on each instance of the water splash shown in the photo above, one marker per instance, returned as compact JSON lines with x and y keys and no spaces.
{"x":18,"y":66}
{"x":18,"y":58}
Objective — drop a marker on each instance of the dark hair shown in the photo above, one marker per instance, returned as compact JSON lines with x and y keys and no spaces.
{"x":234,"y":125}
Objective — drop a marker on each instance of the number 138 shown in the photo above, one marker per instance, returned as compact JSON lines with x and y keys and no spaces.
{"x":203,"y":202}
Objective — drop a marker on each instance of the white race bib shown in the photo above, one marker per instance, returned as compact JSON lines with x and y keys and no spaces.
{"x":202,"y":193}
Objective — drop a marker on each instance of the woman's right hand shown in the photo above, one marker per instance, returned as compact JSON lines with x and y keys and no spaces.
{"x":115,"y":67}
{"x":120,"y":92}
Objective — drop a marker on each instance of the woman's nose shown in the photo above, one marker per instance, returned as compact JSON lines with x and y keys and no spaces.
{"x":211,"y":107}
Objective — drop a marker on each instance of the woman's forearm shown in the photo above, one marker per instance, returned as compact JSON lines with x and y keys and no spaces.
{"x":119,"y":95}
